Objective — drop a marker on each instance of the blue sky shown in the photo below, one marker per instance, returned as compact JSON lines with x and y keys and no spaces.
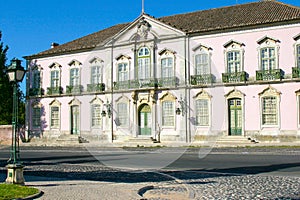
{"x":30,"y":26}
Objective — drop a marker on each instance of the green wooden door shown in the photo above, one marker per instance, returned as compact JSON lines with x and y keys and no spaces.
{"x":145,"y":120}
{"x":235,"y":116}
{"x":75,"y":120}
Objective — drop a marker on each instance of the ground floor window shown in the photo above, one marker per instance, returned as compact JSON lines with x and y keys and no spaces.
{"x":36,"y":117}
{"x":269,"y":110}
{"x":122,"y":110}
{"x":168,"y":113}
{"x":54,"y":117}
{"x":96,"y":115}
{"x":202,"y":112}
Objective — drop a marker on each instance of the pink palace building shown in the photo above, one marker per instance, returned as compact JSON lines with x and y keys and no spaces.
{"x":224,"y":73}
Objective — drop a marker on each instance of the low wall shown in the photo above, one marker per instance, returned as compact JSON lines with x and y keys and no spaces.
{"x":5,"y":134}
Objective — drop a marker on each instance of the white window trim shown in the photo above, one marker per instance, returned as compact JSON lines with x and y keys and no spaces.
{"x":96,"y":101}
{"x":74,"y":64}
{"x":122,"y":59}
{"x":55,"y":103}
{"x":206,"y":96}
{"x":55,"y":67}
{"x":233,"y":46}
{"x":125,"y":100}
{"x":96,"y":63}
{"x":164,"y":54}
{"x":168,"y":97}
{"x":268,"y":42}
{"x":270,"y":92}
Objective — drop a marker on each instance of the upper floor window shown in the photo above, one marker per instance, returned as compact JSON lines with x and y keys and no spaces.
{"x":55,"y":82}
{"x":123,"y":71}
{"x":96,"y":71}
{"x":234,"y":56}
{"x":298,"y":55}
{"x":270,"y":107}
{"x":36,"y":83}
{"x":74,"y":73}
{"x":268,"y":53}
{"x":143,"y":62}
{"x":202,"y":60}
{"x":167,"y":58}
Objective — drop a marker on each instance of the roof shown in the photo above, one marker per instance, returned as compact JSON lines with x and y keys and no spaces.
{"x":264,"y":13}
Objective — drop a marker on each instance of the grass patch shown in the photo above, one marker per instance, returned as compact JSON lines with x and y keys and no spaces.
{"x":12,"y":191}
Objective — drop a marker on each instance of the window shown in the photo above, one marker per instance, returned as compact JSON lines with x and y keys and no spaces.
{"x":96,"y":74}
{"x":167,"y":68}
{"x":268,"y":53}
{"x":202,"y":112}
{"x":268,"y":58}
{"x":74,"y":77}
{"x":122,"y":110}
{"x":54,"y":117}
{"x":269,"y":110}
{"x":36,"y":117}
{"x":168,"y":113}
{"x":298,"y":55}
{"x":36,"y":79}
{"x":202,"y":64}
{"x":122,"y":72}
{"x":55,"y":79}
{"x":96,"y":115}
{"x":144,"y":71}
{"x":233,"y":61}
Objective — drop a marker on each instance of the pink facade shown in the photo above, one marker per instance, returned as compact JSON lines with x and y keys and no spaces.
{"x":239,"y":82}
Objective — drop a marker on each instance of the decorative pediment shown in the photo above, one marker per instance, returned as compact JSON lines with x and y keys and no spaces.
{"x":123,"y":57}
{"x":267,"y":40}
{"x":233,"y":44}
{"x":122,"y":98}
{"x":202,"y":95}
{"x":200,"y":47}
{"x":96,"y":100}
{"x":74,"y":63}
{"x":167,"y":96}
{"x":234,"y":94}
{"x":54,"y":65}
{"x":297,"y":37}
{"x":96,"y":60}
{"x":55,"y":102}
{"x":144,"y":29}
{"x":270,"y":91}
{"x":166,"y":51}
{"x":74,"y":102}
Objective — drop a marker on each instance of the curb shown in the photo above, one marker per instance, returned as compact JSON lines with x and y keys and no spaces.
{"x":34,"y":196}
{"x":143,"y":190}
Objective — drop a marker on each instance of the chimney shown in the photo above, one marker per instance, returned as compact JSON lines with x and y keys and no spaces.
{"x":54,"y":44}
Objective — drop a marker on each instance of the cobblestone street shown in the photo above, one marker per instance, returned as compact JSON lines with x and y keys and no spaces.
{"x":93,"y":180}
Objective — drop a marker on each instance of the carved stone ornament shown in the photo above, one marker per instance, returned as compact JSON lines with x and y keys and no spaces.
{"x":143,"y":29}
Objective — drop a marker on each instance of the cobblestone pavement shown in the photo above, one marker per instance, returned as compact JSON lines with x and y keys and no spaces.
{"x":91,"y":181}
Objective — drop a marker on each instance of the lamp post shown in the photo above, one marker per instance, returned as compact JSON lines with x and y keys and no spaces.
{"x":15,"y":169}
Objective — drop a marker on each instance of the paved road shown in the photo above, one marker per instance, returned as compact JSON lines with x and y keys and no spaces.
{"x":242,"y":173}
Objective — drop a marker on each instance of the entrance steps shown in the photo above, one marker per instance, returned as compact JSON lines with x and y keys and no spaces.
{"x":68,"y":139}
{"x":140,"y":142}
{"x":235,"y":141}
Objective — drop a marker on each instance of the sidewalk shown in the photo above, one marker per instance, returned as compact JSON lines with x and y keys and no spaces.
{"x":58,"y":189}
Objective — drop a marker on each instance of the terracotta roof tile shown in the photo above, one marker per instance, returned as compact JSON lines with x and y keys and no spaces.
{"x":238,"y":16}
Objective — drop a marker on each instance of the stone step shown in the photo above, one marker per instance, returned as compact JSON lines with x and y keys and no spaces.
{"x":236,"y":139}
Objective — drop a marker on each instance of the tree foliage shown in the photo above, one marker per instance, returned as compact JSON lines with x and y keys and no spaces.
{"x":6,"y":91}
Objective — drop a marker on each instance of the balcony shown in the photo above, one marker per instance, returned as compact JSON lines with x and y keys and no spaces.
{"x":204,"y":79}
{"x":267,"y":75}
{"x":100,"y":87}
{"x":54,"y":90}
{"x":36,"y":91}
{"x":235,"y":77}
{"x":296,"y":72}
{"x":76,"y":89}
{"x":168,"y":82}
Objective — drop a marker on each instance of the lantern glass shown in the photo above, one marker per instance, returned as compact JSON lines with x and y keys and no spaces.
{"x":15,"y":71}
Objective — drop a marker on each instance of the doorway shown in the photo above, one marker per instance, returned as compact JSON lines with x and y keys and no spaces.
{"x":144,"y":120}
{"x":235,"y":116}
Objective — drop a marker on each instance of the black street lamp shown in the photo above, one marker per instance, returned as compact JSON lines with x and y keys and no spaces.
{"x":15,"y":74}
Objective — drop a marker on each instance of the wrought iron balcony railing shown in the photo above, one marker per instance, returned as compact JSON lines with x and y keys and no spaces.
{"x":96,"y":87}
{"x":273,"y":74}
{"x":236,"y":77}
{"x":76,"y":89}
{"x":168,"y":82}
{"x":296,"y":72}
{"x":36,"y":91}
{"x":54,"y":90}
{"x":203,"y":79}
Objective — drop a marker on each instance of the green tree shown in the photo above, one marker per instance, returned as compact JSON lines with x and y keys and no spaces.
{"x":6,"y":91}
